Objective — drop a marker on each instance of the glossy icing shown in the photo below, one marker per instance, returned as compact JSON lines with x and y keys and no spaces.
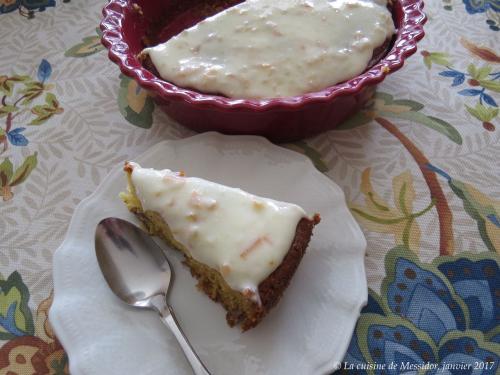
{"x":243,"y":236}
{"x":275,"y":48}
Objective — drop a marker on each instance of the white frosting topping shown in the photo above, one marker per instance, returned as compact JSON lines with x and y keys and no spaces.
{"x":242,"y":236}
{"x":275,"y":48}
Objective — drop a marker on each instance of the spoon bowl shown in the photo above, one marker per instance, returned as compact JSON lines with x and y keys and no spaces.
{"x":133,"y":265}
{"x":138,"y":272}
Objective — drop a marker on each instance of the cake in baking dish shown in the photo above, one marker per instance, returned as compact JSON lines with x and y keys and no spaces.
{"x":243,"y":249}
{"x":275,"y":48}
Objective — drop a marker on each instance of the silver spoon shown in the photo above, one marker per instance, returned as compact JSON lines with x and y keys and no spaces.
{"x":138,"y":272}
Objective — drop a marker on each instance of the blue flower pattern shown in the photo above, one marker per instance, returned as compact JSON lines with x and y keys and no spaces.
{"x":459,"y":79}
{"x":446,"y":313}
{"x":373,"y":306}
{"x":413,"y":285}
{"x":483,"y":6}
{"x":466,"y":351}
{"x":397,"y":345}
{"x":478,"y":284}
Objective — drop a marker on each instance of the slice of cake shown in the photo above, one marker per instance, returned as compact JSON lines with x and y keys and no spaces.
{"x":243,"y":249}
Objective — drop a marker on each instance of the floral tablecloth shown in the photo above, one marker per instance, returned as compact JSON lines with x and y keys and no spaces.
{"x":420,"y":166}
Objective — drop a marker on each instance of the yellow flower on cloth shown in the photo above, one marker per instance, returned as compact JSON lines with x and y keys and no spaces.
{"x":398,"y":219}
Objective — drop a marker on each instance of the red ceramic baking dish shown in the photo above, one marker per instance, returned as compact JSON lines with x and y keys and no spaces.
{"x":128,"y":25}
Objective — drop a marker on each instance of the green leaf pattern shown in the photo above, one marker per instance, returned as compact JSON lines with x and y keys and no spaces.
{"x":15,"y":316}
{"x":46,"y":111}
{"x":438,"y":58}
{"x":398,"y":219}
{"x":89,"y":46}
{"x":482,"y":112}
{"x":483,"y":209}
{"x":135,"y":104}
{"x":384,"y":105}
{"x":10,"y":177}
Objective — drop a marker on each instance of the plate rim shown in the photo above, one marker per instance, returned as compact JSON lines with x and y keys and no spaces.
{"x":60,"y":293}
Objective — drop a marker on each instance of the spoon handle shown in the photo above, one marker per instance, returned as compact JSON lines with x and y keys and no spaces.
{"x":168,"y":317}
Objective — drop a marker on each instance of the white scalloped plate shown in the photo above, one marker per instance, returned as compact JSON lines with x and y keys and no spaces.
{"x":307,"y":333}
